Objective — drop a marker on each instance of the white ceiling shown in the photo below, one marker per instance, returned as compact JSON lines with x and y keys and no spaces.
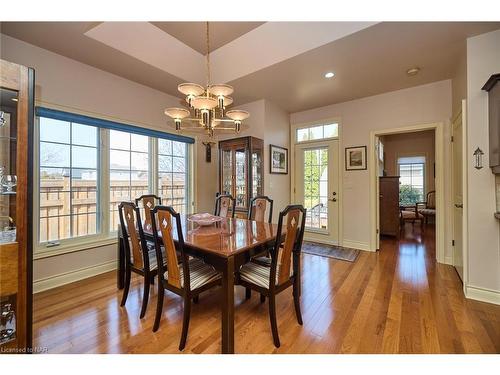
{"x":281,"y":61}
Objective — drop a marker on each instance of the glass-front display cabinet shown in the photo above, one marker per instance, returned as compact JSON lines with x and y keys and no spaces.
{"x":241,"y":171}
{"x":16,"y":145}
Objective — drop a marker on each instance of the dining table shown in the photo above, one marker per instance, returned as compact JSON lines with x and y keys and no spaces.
{"x":226,"y":245}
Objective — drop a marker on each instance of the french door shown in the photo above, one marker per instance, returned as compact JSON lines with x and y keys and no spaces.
{"x":316,"y":187}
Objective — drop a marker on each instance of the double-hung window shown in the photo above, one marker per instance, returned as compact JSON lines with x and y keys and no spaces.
{"x":68,"y":180}
{"x":411,"y":180}
{"x":128,"y":169}
{"x":173,"y":173}
{"x":84,"y":167}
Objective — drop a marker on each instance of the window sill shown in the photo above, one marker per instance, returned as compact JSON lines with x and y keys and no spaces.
{"x":43,"y":252}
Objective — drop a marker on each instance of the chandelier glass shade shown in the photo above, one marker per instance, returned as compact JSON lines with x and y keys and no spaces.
{"x":206,"y":106}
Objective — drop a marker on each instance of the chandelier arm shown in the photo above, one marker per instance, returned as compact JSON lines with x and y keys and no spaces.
{"x":198,"y":119}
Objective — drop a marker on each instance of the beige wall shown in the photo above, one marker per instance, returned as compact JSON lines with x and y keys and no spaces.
{"x":424,"y":104}
{"x":276,"y":132}
{"x":411,"y":144}
{"x":459,"y":82}
{"x":75,"y":86}
{"x":483,"y":60}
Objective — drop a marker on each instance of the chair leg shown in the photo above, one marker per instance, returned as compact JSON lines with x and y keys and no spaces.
{"x":262,"y":298}
{"x":152,"y":280}
{"x":185,"y":322}
{"x":196,"y":299}
{"x":145,"y":296}
{"x":248,"y":293}
{"x":274,"y":324}
{"x":128,"y":275}
{"x":159,"y":307}
{"x":296,"y":302}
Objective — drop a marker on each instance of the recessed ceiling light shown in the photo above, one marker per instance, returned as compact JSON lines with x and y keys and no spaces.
{"x":329,"y":75}
{"x":413,"y":71}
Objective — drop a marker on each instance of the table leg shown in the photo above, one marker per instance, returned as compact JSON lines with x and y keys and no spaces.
{"x":228,"y":307}
{"x":120,"y":273}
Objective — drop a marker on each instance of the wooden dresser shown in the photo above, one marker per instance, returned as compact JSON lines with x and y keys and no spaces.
{"x":389,"y":205}
{"x":16,"y":258}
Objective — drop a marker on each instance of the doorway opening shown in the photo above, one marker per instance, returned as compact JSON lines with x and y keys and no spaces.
{"x":407,"y":191}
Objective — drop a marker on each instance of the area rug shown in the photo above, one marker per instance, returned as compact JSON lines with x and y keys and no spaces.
{"x":330,"y":251}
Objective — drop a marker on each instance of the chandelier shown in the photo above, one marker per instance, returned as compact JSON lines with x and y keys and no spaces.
{"x":207,"y":106}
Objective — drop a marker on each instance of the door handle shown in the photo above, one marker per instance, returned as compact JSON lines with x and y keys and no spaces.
{"x":459,"y":205}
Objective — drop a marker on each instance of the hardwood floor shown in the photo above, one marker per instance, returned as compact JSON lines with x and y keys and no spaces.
{"x":398,"y":300}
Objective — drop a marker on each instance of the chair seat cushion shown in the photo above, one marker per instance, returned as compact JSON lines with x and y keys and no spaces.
{"x":258,"y":274}
{"x":427,"y":211}
{"x":262,"y":260}
{"x":200,"y":274}
{"x":411,"y":215}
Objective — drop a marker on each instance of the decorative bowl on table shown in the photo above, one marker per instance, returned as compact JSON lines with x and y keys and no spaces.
{"x":204,"y":219}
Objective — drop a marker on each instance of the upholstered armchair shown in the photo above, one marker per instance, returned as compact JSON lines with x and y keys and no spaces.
{"x":428,"y":208}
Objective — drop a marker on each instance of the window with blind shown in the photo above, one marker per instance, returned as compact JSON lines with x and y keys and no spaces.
{"x":86,"y":166}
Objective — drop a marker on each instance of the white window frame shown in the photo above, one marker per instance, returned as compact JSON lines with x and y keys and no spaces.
{"x":106,"y":236}
{"x":313,"y":125}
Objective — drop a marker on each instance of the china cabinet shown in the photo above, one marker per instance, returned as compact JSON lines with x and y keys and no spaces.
{"x":16,"y":144}
{"x":241,"y":171}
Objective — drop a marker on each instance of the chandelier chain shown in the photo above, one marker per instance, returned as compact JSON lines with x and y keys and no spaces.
{"x":208,"y":59}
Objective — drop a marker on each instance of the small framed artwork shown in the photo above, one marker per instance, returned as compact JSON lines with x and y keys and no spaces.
{"x":278,"y":159}
{"x":355,"y":158}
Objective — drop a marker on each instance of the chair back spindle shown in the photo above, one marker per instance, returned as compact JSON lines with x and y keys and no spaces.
{"x":129,"y":220}
{"x":282,"y":260}
{"x":165,"y":224}
{"x":258,"y":208}
{"x":224,"y":203}
{"x":149,"y":201}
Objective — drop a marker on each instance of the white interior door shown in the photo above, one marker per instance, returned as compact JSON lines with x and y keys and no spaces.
{"x":316,"y":187}
{"x":457,"y":195}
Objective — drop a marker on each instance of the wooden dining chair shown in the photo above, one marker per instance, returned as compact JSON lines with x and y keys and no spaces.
{"x":285,"y":266}
{"x":140,"y":257}
{"x":187,"y":279}
{"x":258,"y":207}
{"x":147,"y":202}
{"x":224,"y":203}
{"x":257,"y":212}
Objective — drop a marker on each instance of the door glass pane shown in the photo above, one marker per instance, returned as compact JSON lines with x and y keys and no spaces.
{"x":302,"y":135}
{"x":315,"y":133}
{"x":227,"y":167}
{"x":241,"y":193}
{"x":256,"y":174}
{"x":316,"y":187}
{"x":331,"y":130}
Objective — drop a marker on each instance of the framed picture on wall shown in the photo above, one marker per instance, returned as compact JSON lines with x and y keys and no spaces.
{"x":278,"y":160}
{"x":355,"y":158}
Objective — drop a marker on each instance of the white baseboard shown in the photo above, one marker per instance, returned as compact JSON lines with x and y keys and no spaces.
{"x":357,"y":245}
{"x":448,"y":260}
{"x":483,"y":295}
{"x":72,"y":276}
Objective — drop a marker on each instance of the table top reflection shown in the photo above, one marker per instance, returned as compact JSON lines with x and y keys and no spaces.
{"x":226,"y":237}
